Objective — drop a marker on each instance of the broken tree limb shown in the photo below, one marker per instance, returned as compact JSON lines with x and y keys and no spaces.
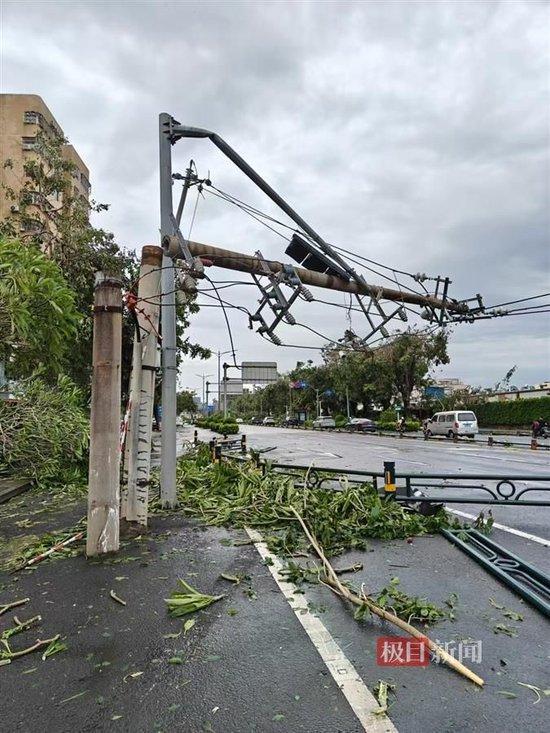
{"x":38,"y":645}
{"x":55,"y":548}
{"x":349,"y":568}
{"x":334,"y":583}
{"x":13,"y":604}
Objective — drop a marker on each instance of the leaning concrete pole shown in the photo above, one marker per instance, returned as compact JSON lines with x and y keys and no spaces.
{"x":103,"y":480}
{"x":148,"y":311}
{"x":168,"y":319}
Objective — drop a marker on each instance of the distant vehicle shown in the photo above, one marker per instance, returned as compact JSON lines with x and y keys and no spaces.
{"x":325,"y":421}
{"x":362,"y":424}
{"x":451,"y":424}
{"x":256,"y":421}
{"x":268,"y":420}
{"x":290,"y":422}
{"x":239,"y":420}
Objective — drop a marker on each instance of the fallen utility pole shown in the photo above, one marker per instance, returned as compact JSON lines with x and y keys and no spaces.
{"x":103,"y":480}
{"x":230,"y":260}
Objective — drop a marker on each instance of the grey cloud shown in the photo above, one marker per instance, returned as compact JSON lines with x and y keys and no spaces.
{"x":416,"y":134}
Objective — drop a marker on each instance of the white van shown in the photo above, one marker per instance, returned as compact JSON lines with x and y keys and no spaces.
{"x":460,"y":422}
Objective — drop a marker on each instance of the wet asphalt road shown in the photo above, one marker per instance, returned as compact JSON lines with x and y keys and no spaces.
{"x":368,"y":452}
{"x":248,"y":665}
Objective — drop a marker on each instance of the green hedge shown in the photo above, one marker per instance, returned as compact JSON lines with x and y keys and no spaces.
{"x":218,"y":425}
{"x":410,"y":425}
{"x":515,"y":413}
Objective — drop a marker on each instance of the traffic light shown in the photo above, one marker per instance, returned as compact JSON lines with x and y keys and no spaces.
{"x":307,"y":255}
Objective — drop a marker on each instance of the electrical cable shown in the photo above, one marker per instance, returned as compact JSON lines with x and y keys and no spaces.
{"x":226,"y":321}
{"x":521,"y":300}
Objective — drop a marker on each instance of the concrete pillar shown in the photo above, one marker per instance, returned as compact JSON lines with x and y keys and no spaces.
{"x":103,"y":479}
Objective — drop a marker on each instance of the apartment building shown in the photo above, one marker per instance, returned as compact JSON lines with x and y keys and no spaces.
{"x":23,"y":117}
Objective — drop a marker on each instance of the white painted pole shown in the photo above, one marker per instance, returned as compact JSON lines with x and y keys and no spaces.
{"x":148,"y":311}
{"x":131,"y":445}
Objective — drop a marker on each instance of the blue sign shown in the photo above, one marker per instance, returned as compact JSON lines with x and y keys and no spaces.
{"x":435,"y":393}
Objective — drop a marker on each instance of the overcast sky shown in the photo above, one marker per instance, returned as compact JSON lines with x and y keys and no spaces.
{"x":413,"y":133}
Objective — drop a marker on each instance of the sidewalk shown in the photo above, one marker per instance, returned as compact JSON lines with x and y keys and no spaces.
{"x":245,"y":665}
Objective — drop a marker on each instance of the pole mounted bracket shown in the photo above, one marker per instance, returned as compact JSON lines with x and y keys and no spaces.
{"x":274,"y":298}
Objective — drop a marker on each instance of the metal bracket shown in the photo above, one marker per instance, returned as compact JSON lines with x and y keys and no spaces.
{"x":274,"y":298}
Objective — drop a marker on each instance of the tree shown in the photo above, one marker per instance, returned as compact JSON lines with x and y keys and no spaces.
{"x":403,"y":364}
{"x":39,"y":319}
{"x":56,"y":220}
{"x":186,"y":402}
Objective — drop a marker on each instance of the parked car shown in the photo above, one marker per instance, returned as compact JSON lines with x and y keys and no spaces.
{"x":325,"y":421}
{"x":290,"y":422}
{"x":362,"y":424}
{"x":256,"y":421}
{"x":451,"y":424}
{"x":268,"y":420}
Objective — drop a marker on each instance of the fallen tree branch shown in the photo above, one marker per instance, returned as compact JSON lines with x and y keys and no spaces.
{"x":333,"y":581}
{"x":14,"y":604}
{"x":349,"y":568}
{"x":19,"y":626}
{"x":58,"y":546}
{"x":38,"y":645}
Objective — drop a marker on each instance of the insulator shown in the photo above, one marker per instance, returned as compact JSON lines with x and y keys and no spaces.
{"x":289,"y":318}
{"x":276,"y":340}
{"x":384,"y":331}
{"x":171,"y":246}
{"x":307,"y":294}
{"x":402,"y":313}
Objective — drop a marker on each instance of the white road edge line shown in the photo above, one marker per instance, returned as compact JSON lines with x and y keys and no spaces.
{"x":360,"y":698}
{"x":511,"y":530}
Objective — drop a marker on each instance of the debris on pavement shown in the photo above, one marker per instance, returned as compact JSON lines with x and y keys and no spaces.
{"x":189,"y":601}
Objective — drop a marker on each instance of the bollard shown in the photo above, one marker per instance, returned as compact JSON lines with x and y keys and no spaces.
{"x":212,"y":445}
{"x":490,"y":440}
{"x":218,"y":454}
{"x":534,"y":444}
{"x":455,"y":437}
{"x":243,"y":444}
{"x":195,"y":437}
{"x":389,"y":480}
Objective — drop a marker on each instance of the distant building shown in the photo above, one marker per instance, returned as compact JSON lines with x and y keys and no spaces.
{"x":519,"y":394}
{"x":450,"y":385}
{"x":22,"y":118}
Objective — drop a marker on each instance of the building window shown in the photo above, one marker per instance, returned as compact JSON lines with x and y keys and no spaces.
{"x":31,"y":197}
{"x":31,"y":225}
{"x":28,"y":143}
{"x":85,"y":183}
{"x":33,"y":118}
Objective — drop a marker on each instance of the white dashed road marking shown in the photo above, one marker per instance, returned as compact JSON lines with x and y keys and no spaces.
{"x":360,"y":698}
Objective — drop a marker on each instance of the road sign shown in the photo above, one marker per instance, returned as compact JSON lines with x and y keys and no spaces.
{"x":233,"y":386}
{"x":259,"y":372}
{"x":436,"y":393}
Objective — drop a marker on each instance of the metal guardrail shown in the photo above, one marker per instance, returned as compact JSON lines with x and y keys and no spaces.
{"x":527,"y":581}
{"x":428,"y":488}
